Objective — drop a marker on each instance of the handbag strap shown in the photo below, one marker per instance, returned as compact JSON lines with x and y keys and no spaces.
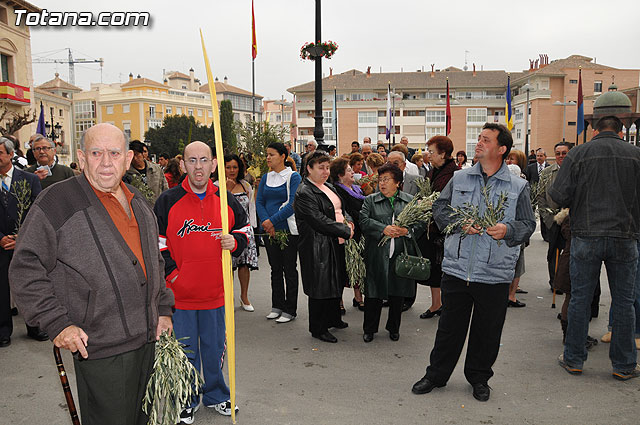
{"x":413,"y":241}
{"x":288,"y":183}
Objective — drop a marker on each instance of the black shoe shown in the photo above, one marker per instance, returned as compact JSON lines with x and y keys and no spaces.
{"x":394,"y":336}
{"x":341,"y":325}
{"x":516,"y":303}
{"x":406,"y":307}
{"x":343,"y":311}
{"x":425,"y":386}
{"x":385,"y":303}
{"x":591,"y":342}
{"x":326,"y":337}
{"x":14,"y":311}
{"x":429,"y":314}
{"x":37,"y":334}
{"x":367,"y":337}
{"x":355,"y":302}
{"x":5,"y":341}
{"x":558,"y":292}
{"x":481,"y":391}
{"x":360,"y":304}
{"x":521,"y":291}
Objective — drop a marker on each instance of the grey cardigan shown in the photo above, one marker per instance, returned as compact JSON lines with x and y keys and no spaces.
{"x":72,"y":267}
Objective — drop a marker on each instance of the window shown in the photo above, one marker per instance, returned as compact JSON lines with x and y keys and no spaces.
{"x":432,"y":95}
{"x":126,"y":128}
{"x":126,"y":108}
{"x":367,"y":117}
{"x":152,"y":111}
{"x":383,"y":130}
{"x":287,"y":117}
{"x":81,"y":126}
{"x":190,"y":112}
{"x":169,"y":110}
{"x":472,"y":140}
{"x":476,"y":115}
{"x":519,"y":115}
{"x":597,"y":86}
{"x":419,"y":113}
{"x":199,"y":112}
{"x":340,"y":97}
{"x":60,"y":113}
{"x":178,"y":110}
{"x":518,"y":133}
{"x":3,"y":15}
{"x":84,"y":109}
{"x":184,"y":86}
{"x":434,"y":131}
{"x":109,"y":110}
{"x":573,"y":81}
{"x":6,"y":63}
{"x":436,"y":116}
{"x":327,"y":125}
{"x":571,"y":123}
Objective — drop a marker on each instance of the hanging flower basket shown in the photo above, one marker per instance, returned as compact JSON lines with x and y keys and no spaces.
{"x":311,"y":51}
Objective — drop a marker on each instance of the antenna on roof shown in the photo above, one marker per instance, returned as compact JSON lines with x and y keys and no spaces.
{"x":466,"y":60}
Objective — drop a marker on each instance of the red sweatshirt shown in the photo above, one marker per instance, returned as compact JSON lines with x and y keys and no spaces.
{"x":190,"y":230}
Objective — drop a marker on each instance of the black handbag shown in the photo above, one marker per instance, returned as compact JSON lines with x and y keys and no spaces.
{"x":413,"y":267}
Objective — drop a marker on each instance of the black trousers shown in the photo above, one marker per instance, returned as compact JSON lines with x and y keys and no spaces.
{"x":6,"y":321}
{"x":488,"y":304}
{"x":372,"y":310}
{"x":323,"y":314}
{"x":110,"y":391}
{"x":283,"y":264}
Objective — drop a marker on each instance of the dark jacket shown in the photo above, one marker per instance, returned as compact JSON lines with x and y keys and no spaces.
{"x":532,"y":172}
{"x":432,"y":244}
{"x":72,"y":267}
{"x":352,"y":206}
{"x":376,"y":214}
{"x":322,"y":262}
{"x":59,"y":173}
{"x":155,"y":179}
{"x":9,"y":212}
{"x":598,"y":182}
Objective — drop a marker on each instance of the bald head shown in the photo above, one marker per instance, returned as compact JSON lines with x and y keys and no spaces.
{"x":198,"y":148}
{"x":397,"y":158}
{"x":102,"y":131}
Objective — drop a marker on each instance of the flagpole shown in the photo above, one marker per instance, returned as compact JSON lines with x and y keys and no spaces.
{"x":227,"y":275}
{"x":393,"y":115}
{"x":253,"y":89}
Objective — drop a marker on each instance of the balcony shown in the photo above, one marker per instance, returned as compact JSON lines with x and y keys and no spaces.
{"x":15,"y":94}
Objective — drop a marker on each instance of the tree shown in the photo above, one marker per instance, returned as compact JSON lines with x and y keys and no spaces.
{"x":176,"y":132}
{"x":14,"y":121}
{"x":227,"y":127}
{"x":254,"y":139}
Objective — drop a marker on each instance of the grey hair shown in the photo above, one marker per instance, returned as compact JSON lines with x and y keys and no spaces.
{"x":84,"y":136}
{"x":41,"y":137}
{"x":397,"y":153}
{"x":312,"y":142}
{"x":367,"y":144}
{"x":8,"y":144}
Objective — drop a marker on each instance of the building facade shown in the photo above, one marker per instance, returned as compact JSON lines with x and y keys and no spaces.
{"x":16,"y":87}
{"x":476,"y":97}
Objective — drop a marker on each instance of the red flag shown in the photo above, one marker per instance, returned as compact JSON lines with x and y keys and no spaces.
{"x":448,"y":110}
{"x":254,"y":44}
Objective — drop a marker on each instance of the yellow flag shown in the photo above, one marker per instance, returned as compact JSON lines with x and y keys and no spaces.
{"x":227,"y":273}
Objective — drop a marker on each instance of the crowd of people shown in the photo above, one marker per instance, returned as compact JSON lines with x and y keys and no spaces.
{"x":138,"y":279}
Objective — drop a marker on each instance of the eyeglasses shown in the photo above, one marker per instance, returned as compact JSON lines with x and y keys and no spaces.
{"x":194,"y":161}
{"x":42,"y":148}
{"x":386,"y":180}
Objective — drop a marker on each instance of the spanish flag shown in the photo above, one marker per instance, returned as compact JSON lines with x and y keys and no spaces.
{"x":507,"y":109}
{"x":254,"y":43}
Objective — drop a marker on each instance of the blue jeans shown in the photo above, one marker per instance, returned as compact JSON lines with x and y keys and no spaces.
{"x":206,"y":334}
{"x":620,"y":257}
{"x":636,"y":304}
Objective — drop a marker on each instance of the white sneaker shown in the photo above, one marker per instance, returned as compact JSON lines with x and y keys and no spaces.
{"x":275,"y":313}
{"x":224,"y":408}
{"x":284,"y":318}
{"x":247,"y":307}
{"x":187,"y":416}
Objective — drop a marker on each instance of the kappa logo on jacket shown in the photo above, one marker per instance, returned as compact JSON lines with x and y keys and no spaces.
{"x":189,"y":227}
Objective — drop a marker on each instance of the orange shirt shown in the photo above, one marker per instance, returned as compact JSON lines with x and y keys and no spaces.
{"x":128,"y":227}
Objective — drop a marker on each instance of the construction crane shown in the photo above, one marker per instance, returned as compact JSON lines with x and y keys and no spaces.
{"x":71,"y":61}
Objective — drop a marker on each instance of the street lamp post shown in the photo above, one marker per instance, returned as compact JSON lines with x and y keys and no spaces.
{"x":282,"y":104}
{"x":318,"y":131}
{"x":564,"y":113}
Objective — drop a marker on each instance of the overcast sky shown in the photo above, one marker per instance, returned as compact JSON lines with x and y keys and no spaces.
{"x":394,"y":35}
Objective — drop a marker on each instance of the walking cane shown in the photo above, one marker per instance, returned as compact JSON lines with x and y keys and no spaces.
{"x":553,"y":303}
{"x":65,"y":387}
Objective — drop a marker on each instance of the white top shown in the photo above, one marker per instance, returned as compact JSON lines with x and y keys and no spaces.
{"x":7,"y":180}
{"x":278,"y":179}
{"x":411,"y":168}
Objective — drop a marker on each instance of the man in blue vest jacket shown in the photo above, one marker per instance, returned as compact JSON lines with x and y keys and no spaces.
{"x":478,"y":265}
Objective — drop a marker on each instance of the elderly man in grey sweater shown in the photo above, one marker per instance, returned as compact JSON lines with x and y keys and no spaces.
{"x":88,"y":270}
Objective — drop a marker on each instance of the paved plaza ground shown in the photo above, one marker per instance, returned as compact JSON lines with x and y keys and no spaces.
{"x":286,"y":377}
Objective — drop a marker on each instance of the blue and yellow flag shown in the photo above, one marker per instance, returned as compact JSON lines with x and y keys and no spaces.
{"x":507,"y":109}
